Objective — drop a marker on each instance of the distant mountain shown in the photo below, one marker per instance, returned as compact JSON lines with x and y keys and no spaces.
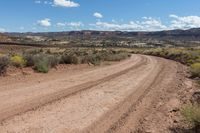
{"x":187,"y":35}
{"x":4,"y":37}
{"x":87,"y":37}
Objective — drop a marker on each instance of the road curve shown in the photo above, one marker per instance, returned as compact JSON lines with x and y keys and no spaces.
{"x":96,"y":100}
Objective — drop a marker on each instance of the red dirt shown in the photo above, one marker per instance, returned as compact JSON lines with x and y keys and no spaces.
{"x":130,"y":96}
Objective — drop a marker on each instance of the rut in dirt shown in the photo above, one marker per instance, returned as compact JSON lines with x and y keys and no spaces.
{"x":100,"y":105}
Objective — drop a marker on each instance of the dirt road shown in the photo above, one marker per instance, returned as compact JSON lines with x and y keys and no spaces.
{"x":105,"y":99}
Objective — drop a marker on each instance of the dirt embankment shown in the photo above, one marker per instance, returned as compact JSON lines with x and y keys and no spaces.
{"x":130,"y":96}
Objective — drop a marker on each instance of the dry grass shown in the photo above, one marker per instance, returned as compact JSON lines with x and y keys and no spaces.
{"x":44,"y":59}
{"x":191,"y":114}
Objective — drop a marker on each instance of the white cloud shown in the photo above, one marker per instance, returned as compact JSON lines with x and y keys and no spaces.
{"x":98,"y":15}
{"x":65,"y":3}
{"x":145,"y":24}
{"x":45,"y":22}
{"x":2,"y":30}
{"x":173,"y":16}
{"x":38,"y":2}
{"x":148,"y":24}
{"x":70,"y":24}
{"x":185,"y":22}
{"x":60,"y":24}
{"x":47,"y":3}
{"x":115,"y":26}
{"x":44,"y":2}
{"x":75,"y":24}
{"x":152,"y":24}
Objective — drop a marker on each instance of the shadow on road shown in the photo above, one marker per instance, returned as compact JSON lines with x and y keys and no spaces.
{"x":185,"y":130}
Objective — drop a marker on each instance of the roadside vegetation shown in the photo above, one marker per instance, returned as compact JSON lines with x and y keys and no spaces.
{"x":186,"y":56}
{"x":4,"y":63}
{"x":191,"y":58}
{"x":191,"y":115}
{"x":42,"y":60}
{"x":18,"y":61}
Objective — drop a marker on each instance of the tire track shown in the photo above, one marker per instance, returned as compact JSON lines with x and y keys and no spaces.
{"x":37,"y":102}
{"x":74,"y":113}
{"x":121,"y":122}
{"x":126,"y":115}
{"x":116,"y":103}
{"x":115,"y":117}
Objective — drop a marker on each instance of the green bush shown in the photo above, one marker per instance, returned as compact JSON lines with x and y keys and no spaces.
{"x":40,"y":63}
{"x":42,"y":66}
{"x":191,"y":113}
{"x":4,"y":62}
{"x":195,"y":70}
{"x":18,"y":61}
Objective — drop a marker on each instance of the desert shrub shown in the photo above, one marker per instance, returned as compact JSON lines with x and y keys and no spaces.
{"x":43,"y":62}
{"x":53,"y":60}
{"x":48,"y":51}
{"x":195,"y":70}
{"x":39,"y":62}
{"x":117,"y":57}
{"x":70,"y":59}
{"x":29,"y":59}
{"x":93,"y":59}
{"x":18,"y":61}
{"x":41,"y":50}
{"x":182,"y":55}
{"x":32,"y":51}
{"x":96,"y":57}
{"x":4,"y":62}
{"x":191,"y":113}
{"x":42,"y":65}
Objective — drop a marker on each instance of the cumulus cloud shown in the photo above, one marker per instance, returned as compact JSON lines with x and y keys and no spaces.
{"x":75,"y":24}
{"x":185,"y":22}
{"x":60,"y":24}
{"x":98,"y":15}
{"x":148,"y":24}
{"x":45,"y":22}
{"x":115,"y":26}
{"x":152,"y":24}
{"x":145,"y":24}
{"x":70,"y":24}
{"x":65,"y":3}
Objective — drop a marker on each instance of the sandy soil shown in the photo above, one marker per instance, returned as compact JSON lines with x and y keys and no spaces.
{"x":116,"y":98}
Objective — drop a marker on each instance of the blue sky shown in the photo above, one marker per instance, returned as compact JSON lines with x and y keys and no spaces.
{"x":125,"y":15}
